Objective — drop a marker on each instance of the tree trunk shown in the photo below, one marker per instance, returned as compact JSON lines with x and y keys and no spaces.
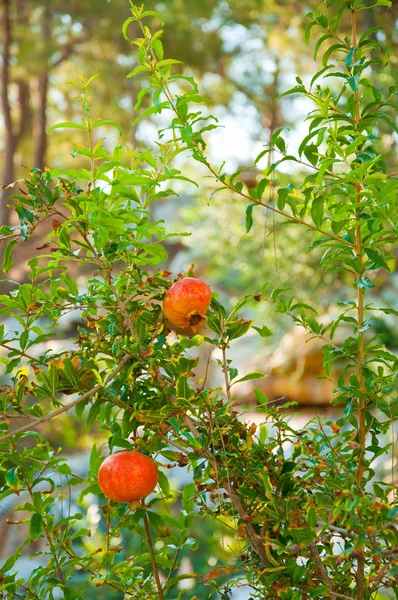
{"x":41,"y":139}
{"x":25,"y":125}
{"x":41,"y":134}
{"x":9,"y":145}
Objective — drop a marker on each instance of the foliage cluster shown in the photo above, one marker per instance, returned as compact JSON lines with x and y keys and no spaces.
{"x":310,"y":519}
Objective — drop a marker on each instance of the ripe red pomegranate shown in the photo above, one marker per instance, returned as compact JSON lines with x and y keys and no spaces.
{"x":127,"y":476}
{"x":186,"y":302}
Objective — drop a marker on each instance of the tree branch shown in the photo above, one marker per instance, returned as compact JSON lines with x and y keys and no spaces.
{"x":66,"y":407}
{"x":252,"y":537}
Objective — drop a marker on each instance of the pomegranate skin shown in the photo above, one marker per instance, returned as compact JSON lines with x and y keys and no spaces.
{"x":186,"y":302}
{"x":127,"y":476}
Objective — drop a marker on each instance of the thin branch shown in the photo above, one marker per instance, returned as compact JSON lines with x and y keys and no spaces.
{"x":153,"y":558}
{"x":252,"y":537}
{"x":121,"y":305}
{"x":226,"y":374}
{"x":320,"y":566}
{"x":279,"y":212}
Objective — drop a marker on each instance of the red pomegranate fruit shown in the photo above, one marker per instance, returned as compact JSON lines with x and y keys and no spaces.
{"x":186,"y":302}
{"x":127,"y":476}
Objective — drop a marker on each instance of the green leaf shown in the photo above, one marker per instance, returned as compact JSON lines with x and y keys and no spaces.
{"x":125,"y":26}
{"x":68,"y":125}
{"x":93,"y":412}
{"x":8,"y":260}
{"x":249,"y":217}
{"x":169,"y":61}
{"x":353,"y":82}
{"x":311,"y":516}
{"x":36,"y":525}
{"x":235,"y":329}
{"x":92,"y":79}
{"x":102,"y":122}
{"x":376,"y":259}
{"x":261,"y":397}
{"x":364,"y":282}
{"x":196,"y":340}
{"x":12,"y":480}
{"x":263,"y":331}
{"x":319,"y":43}
{"x":164,"y":483}
{"x":183,"y":389}
{"x":350,"y":56}
{"x":317,"y":210}
{"x":263,"y":434}
{"x":152,"y":13}
{"x":188,"y":497}
{"x":158,"y":47}
{"x":253,"y":375}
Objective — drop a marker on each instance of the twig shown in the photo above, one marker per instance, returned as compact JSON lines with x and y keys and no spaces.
{"x":225,"y":370}
{"x":252,"y":537}
{"x":153,"y":558}
{"x":121,"y":305}
{"x":320,"y":566}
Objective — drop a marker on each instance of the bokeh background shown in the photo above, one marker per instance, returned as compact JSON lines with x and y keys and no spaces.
{"x":243,"y":55}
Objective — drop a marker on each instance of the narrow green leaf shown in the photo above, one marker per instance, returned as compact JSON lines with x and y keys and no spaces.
{"x":125,"y":26}
{"x":263,"y":331}
{"x":12,"y":480}
{"x":249,"y":376}
{"x":235,"y":329}
{"x":249,"y":217}
{"x":364,"y":282}
{"x":350,"y":56}
{"x":311,"y":516}
{"x":376,"y":259}
{"x":68,"y":125}
{"x":8,"y":260}
{"x":188,"y":497}
{"x":92,"y":79}
{"x":261,"y":397}
{"x":169,"y":61}
{"x":317,"y":210}
{"x":92,"y":414}
{"x":182,"y":388}
{"x":102,"y":122}
{"x":36,"y":524}
{"x":164,"y":483}
{"x":152,"y":13}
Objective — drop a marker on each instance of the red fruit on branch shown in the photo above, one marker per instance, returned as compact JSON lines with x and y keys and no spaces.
{"x":127,"y":476}
{"x":186,"y":302}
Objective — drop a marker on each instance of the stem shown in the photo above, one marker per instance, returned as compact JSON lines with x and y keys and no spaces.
{"x":253,"y":539}
{"x":360,"y":575}
{"x":90,"y":135}
{"x":153,"y":559}
{"x":45,"y":528}
{"x":320,"y":566}
{"x":226,"y":374}
{"x":277,"y":211}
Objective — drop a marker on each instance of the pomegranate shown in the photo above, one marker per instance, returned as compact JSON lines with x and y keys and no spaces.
{"x":186,"y":302}
{"x":127,"y":476}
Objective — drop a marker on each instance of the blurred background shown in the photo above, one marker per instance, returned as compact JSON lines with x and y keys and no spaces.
{"x":243,"y":55}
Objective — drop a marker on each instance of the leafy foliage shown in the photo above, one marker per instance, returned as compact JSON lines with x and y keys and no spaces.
{"x":310,"y":518}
